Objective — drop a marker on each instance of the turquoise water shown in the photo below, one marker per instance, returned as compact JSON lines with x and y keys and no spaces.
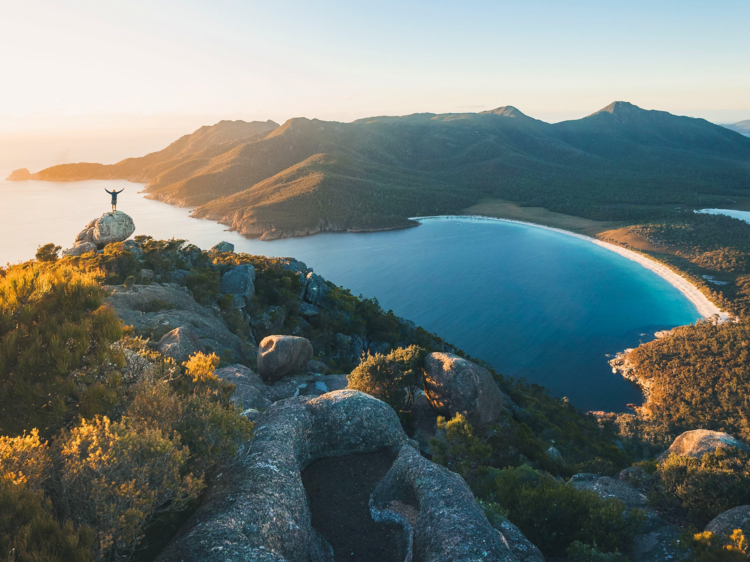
{"x":534,"y":303}
{"x":742,"y":215}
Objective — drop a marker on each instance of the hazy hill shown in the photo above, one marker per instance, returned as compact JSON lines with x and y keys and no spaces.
{"x":741,"y":127}
{"x":620,"y":163}
{"x":206,"y":142}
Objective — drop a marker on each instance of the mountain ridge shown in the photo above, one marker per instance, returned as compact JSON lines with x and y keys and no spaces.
{"x":307,"y":175}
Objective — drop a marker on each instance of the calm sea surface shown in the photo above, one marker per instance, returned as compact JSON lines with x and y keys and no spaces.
{"x":534,"y":303}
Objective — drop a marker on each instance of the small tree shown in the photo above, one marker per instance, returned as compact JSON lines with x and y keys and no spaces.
{"x":48,"y":252}
{"x":392,"y":378}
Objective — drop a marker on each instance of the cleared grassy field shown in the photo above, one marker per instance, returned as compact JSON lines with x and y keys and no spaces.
{"x":501,"y":209}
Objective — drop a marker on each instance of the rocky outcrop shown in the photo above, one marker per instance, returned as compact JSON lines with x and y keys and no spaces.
{"x":438,"y":511}
{"x":699,"y":442}
{"x":258,"y":509}
{"x":180,"y":344}
{"x":249,"y":391}
{"x":454,"y":385}
{"x":608,"y":488}
{"x":154,"y":310}
{"x":80,"y":248}
{"x":240,"y":281}
{"x":735,"y":518}
{"x":22,"y":174}
{"x":280,"y":356}
{"x":114,"y":226}
{"x":223,"y":247}
{"x":317,"y":289}
{"x":521,"y":547}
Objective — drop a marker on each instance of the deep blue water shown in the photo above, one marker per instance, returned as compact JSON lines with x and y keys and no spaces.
{"x":534,"y":303}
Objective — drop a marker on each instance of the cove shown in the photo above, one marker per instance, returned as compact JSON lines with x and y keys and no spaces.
{"x":532,"y":302}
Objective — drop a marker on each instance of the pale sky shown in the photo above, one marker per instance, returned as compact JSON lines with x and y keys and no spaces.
{"x":79,"y":74}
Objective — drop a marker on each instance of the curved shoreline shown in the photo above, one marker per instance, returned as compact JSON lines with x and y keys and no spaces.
{"x":701,"y":303}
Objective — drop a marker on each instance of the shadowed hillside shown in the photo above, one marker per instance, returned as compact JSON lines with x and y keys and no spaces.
{"x":620,"y":164}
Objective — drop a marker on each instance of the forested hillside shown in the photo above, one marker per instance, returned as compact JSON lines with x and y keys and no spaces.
{"x":619,"y":164}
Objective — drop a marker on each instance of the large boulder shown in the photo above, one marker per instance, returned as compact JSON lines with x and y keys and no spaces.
{"x":258,"y":509}
{"x":437,"y":509}
{"x":114,"y":226}
{"x":280,"y":356}
{"x":727,"y":522}
{"x":154,"y":310}
{"x":699,"y":442}
{"x":249,"y":389}
{"x":80,"y":248}
{"x":607,"y":488}
{"x":180,"y":344}
{"x":239,"y":281}
{"x":454,"y":385}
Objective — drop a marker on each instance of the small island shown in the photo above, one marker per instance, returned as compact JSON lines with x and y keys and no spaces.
{"x":22,"y":174}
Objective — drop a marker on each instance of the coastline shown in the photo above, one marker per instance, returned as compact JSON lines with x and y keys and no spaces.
{"x":701,"y":303}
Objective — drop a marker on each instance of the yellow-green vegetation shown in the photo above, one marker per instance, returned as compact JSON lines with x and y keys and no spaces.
{"x":707,"y":547}
{"x":459,"y":449}
{"x":392,"y":378}
{"x":554,"y":516}
{"x":52,"y":322}
{"x":101,"y":437}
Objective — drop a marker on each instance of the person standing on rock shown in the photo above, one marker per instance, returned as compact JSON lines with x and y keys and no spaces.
{"x":114,"y":197}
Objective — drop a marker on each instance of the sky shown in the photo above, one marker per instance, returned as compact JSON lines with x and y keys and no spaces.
{"x":100,"y":81}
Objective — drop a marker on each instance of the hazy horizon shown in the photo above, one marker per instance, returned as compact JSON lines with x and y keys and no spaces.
{"x":93,"y":81}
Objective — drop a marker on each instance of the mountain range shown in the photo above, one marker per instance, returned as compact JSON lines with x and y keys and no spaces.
{"x":742,"y":127}
{"x":306,"y":176}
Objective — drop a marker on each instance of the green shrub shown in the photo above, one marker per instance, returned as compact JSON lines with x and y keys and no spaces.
{"x":553,"y":515}
{"x":387,"y":376}
{"x":457,"y":447}
{"x":204,"y":284}
{"x":708,"y":486}
{"x":579,"y":552}
{"x":48,"y":252}
{"x":30,"y":533}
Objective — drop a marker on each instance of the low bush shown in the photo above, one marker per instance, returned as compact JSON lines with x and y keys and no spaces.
{"x":553,"y":515}
{"x":392,"y":378}
{"x":29,"y":531}
{"x":708,"y":486}
{"x":456,"y":446}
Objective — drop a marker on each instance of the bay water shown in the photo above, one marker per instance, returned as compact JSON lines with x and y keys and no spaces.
{"x":533,"y":303}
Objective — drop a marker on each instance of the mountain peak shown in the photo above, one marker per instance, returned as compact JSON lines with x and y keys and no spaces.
{"x":620,"y":108}
{"x":505,"y":111}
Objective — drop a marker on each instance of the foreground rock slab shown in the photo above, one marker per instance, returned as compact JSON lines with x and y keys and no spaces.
{"x":258,"y":510}
{"x":437,"y":509}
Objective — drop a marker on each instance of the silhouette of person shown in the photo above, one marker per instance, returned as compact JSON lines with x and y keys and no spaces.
{"x":114,"y":197}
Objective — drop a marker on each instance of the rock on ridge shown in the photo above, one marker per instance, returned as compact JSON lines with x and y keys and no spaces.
{"x":698,"y":442}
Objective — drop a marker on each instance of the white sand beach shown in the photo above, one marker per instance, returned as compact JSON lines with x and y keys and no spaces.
{"x":704,"y":306}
